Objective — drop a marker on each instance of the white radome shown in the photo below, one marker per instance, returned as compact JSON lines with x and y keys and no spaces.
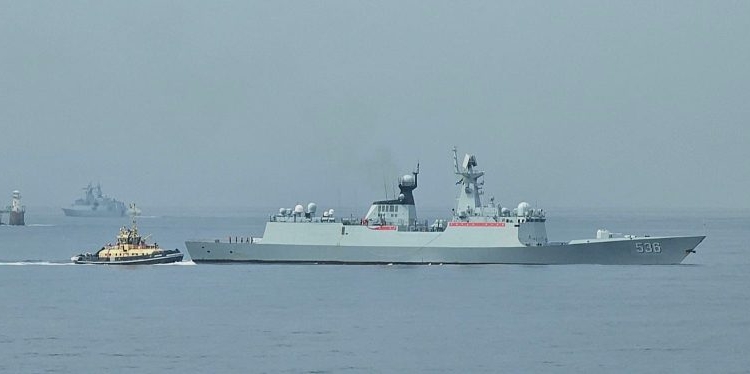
{"x":523,"y":208}
{"x":407,"y":180}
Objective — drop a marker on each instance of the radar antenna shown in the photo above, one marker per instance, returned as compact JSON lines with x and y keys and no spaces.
{"x":471,"y":188}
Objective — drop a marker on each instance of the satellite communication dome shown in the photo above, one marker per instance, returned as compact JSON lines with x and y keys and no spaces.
{"x":407,"y":180}
{"x":282,"y":211}
{"x":330,"y":212}
{"x":325,"y":213}
{"x":298,"y":209}
{"x":505,"y":211}
{"x":311,"y":208}
{"x":401,"y":196}
{"x":523,"y":208}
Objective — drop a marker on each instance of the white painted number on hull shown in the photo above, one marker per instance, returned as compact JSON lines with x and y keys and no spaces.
{"x":648,"y":247}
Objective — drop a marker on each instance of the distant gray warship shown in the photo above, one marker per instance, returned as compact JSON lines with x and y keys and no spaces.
{"x":95,"y":204}
{"x":390,"y":233}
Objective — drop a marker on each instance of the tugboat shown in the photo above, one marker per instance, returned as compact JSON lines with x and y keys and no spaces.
{"x":130,"y":249}
{"x":95,"y":204}
{"x":391,"y":233}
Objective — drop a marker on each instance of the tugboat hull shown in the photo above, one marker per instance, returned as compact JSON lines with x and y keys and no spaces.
{"x":158,"y":259}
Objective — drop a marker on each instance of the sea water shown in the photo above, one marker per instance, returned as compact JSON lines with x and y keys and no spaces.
{"x":61,"y":318}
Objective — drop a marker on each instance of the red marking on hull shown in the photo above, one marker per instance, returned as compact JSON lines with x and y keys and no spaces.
{"x":476,"y":224}
{"x":383,"y":228}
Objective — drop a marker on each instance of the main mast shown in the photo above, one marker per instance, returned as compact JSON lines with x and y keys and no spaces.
{"x":468,"y":201}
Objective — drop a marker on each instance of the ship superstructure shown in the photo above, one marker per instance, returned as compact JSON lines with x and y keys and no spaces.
{"x":391,"y":232}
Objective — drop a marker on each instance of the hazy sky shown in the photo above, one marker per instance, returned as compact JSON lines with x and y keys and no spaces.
{"x":172,"y":103}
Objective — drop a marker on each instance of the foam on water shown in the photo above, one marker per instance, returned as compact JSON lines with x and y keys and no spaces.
{"x":179,"y":263}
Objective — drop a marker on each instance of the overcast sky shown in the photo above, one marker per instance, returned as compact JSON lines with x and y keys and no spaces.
{"x":199,"y":103}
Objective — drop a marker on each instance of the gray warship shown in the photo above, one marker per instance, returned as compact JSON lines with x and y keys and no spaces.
{"x":391,"y":233}
{"x":95,"y":204}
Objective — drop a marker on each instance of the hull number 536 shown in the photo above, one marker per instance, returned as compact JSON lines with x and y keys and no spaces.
{"x":648,"y":247}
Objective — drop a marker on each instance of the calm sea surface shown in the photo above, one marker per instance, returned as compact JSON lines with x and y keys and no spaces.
{"x":62,"y":318}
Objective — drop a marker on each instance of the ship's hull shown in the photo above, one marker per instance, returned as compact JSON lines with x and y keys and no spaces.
{"x":93,"y":213}
{"x":165,"y":259}
{"x":671,"y":250}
